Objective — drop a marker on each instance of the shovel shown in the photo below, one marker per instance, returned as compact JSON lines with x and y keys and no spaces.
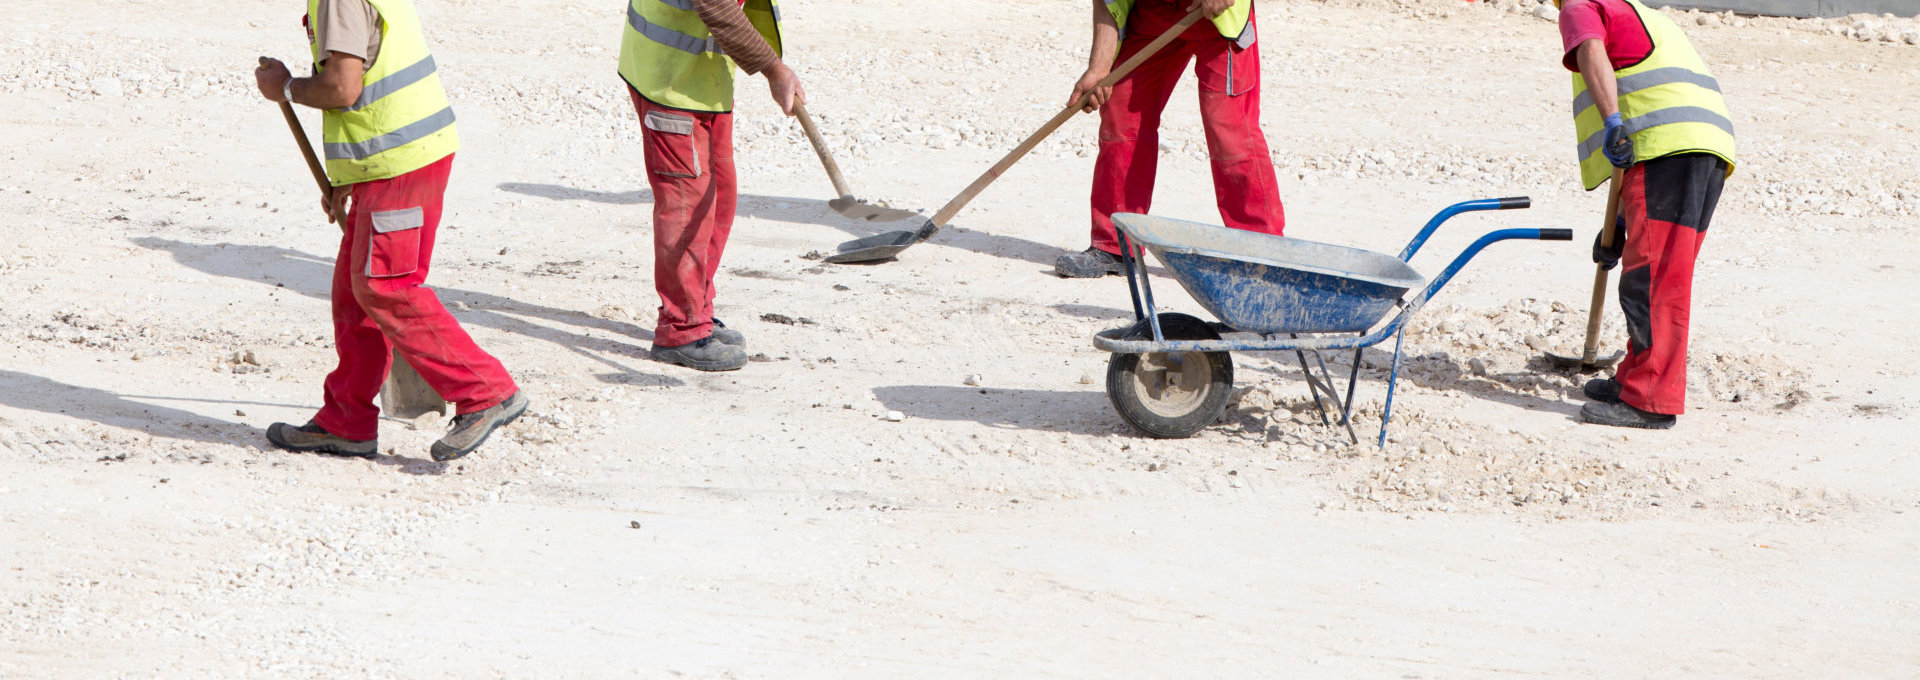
{"x":846,"y":204}
{"x":406,"y":394}
{"x":1588,"y":361}
{"x":882,"y":246}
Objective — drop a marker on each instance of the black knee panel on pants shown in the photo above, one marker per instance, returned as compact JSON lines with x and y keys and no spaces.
{"x":1635,"y":298}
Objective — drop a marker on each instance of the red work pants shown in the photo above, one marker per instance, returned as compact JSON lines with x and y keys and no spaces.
{"x":380,"y":304}
{"x":1244,"y":184}
{"x":1667,"y":204}
{"x":690,"y":169}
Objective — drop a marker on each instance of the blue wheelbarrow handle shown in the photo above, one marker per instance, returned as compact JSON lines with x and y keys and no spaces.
{"x":1420,"y":239}
{"x":1460,"y":261}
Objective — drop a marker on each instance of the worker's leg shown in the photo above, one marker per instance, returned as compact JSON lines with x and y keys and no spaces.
{"x":691,"y":214}
{"x":1243,"y":179}
{"x":726,"y":191}
{"x":1668,"y":203}
{"x":348,"y":410}
{"x":397,"y":221}
{"x":1130,"y":135}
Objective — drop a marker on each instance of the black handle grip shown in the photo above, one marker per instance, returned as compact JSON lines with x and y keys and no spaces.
{"x":1556,"y":234}
{"x":1515,"y":202}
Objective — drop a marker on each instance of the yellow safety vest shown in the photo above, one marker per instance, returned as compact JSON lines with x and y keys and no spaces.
{"x":670,"y":58}
{"x":402,"y":121}
{"x":1670,"y":104}
{"x":1232,"y":23}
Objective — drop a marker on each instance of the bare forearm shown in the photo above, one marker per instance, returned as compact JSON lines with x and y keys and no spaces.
{"x":337,"y":87}
{"x":1596,"y":69}
{"x":322,"y":93}
{"x":1106,"y":39}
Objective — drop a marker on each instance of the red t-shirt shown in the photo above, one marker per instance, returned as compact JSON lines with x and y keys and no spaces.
{"x":1613,"y":23}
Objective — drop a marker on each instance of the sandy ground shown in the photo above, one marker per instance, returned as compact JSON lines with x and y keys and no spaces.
{"x":647,"y":521}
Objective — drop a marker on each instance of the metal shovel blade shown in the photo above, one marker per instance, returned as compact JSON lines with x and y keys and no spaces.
{"x":862,"y":210}
{"x":406,"y":395}
{"x":1580,"y":363}
{"x":880,"y":246}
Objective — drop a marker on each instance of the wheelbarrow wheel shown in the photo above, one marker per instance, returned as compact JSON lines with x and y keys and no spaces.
{"x":1171,"y":395}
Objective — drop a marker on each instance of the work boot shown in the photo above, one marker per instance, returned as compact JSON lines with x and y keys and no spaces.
{"x":311,"y":438}
{"x":1602,"y":389}
{"x":727,"y":336}
{"x":1619,"y":414}
{"x":705,"y":354}
{"x":471,"y":430}
{"x":1091,"y":263}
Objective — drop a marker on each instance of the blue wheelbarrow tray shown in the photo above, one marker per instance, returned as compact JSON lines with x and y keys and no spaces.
{"x":1275,"y":284}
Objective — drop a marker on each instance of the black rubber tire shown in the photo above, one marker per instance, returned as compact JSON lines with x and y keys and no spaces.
{"x":1132,"y":380}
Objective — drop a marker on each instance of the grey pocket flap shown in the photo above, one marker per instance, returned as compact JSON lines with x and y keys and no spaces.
{"x":669,"y":123}
{"x":398,"y":220}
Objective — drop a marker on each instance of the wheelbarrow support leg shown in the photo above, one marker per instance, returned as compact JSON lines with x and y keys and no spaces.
{"x":1139,"y":287}
{"x":1393,"y":379}
{"x":1353,"y":380}
{"x":1314,"y":386}
{"x":1133,"y":290}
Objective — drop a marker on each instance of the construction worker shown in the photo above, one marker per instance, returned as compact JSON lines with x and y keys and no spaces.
{"x":1227,"y":61}
{"x":389,"y":139}
{"x":677,"y":58}
{"x":1645,"y":102}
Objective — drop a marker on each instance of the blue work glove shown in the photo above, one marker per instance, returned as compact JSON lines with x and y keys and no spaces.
{"x":1619,"y":146}
{"x":1609,"y":257}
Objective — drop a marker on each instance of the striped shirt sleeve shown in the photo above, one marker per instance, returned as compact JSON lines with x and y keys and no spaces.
{"x":735,"y":34}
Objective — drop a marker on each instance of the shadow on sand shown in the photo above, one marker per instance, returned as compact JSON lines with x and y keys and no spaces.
{"x":815,"y":212}
{"x":312,"y":276}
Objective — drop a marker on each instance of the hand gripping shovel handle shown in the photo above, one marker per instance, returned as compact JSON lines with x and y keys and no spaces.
{"x":953,"y":207}
{"x":306,"y":149}
{"x":1607,"y":234}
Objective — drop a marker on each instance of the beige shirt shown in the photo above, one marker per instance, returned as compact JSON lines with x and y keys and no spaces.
{"x":347,"y":27}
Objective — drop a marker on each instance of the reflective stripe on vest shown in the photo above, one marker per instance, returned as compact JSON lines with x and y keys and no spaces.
{"x":1651,"y":119}
{"x":669,"y":37}
{"x":668,"y":55}
{"x":1232,"y":23}
{"x":407,"y":134}
{"x":1669,"y":103}
{"x":401,"y":121}
{"x":394,"y":82}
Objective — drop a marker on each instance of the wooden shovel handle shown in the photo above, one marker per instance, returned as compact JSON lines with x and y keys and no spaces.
{"x":820,"y":149}
{"x":953,"y":207}
{"x":306,"y":149}
{"x":1607,"y":233}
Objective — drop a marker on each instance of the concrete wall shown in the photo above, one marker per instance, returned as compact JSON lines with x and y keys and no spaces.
{"x":1799,"y":8}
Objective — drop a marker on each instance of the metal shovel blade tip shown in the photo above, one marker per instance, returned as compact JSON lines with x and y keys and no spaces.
{"x":880,"y":246}
{"x":1580,"y":363}
{"x":862,"y":210}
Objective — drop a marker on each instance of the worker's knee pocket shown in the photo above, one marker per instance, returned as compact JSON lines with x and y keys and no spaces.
{"x":670,"y":144}
{"x":394,"y":246}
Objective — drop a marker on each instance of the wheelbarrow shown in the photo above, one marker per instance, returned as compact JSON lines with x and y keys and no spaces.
{"x":1171,"y":374}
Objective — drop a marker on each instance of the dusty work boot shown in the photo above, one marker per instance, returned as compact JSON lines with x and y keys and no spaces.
{"x":727,"y":336}
{"x":311,"y":438}
{"x":1619,"y":414}
{"x":1091,"y":263}
{"x":471,"y":430}
{"x":1602,"y":389}
{"x":705,"y":354}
